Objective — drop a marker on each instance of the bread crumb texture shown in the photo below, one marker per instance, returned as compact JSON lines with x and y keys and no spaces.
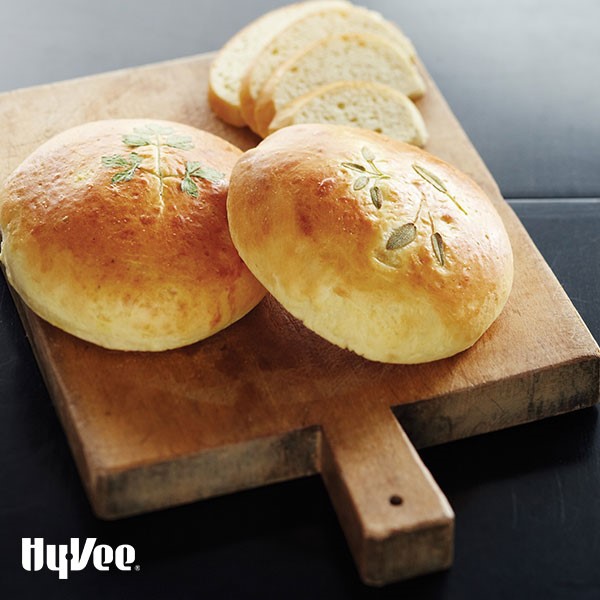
{"x":345,"y":57}
{"x":368,"y":105}
{"x":305,"y":30}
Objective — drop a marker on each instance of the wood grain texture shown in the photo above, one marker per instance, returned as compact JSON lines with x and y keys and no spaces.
{"x":267,"y":400}
{"x":397,"y":521}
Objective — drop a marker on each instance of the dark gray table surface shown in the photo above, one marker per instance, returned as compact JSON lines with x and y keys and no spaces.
{"x":522,"y":77}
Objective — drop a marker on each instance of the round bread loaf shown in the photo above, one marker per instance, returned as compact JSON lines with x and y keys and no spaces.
{"x":376,"y":245}
{"x":116,"y":231}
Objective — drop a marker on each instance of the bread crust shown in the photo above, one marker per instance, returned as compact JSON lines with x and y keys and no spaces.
{"x":312,"y":234}
{"x":226,"y":111}
{"x":136,"y":264}
{"x":225,"y":103}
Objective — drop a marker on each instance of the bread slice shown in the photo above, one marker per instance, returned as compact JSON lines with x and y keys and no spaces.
{"x":347,"y":57}
{"x":238,"y":53}
{"x":368,"y":105}
{"x":303,"y":32}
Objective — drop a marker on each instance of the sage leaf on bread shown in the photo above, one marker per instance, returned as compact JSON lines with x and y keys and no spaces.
{"x":429,"y":177}
{"x":360,"y":183}
{"x":402,"y":236}
{"x":368,"y":154}
{"x":354,"y":166}
{"x":437,"y":244}
{"x":437,"y":183}
{"x":376,"y":196}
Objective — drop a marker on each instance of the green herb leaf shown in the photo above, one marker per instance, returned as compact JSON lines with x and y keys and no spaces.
{"x":191,"y":166}
{"x":376,"y":196}
{"x":430,"y":178}
{"x":360,"y":183}
{"x":368,"y":154}
{"x":402,"y":236}
{"x":122,"y":176}
{"x":195,"y":169}
{"x":183,"y":142}
{"x":367,"y":174}
{"x":114,"y":160}
{"x":437,"y":243}
{"x":148,"y":135}
{"x":159,"y":135}
{"x":189,"y":187}
{"x":119,"y":161}
{"x":437,"y":183}
{"x":354,"y":167}
{"x":134,"y":139}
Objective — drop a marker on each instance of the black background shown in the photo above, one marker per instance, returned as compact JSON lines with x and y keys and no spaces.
{"x":522,"y":77}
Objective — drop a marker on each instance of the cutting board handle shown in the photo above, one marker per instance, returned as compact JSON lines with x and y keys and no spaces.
{"x":397,"y":521}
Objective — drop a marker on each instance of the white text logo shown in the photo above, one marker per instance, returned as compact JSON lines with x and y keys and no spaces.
{"x":65,"y":558}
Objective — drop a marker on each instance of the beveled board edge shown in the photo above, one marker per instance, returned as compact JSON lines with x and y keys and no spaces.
{"x":295,"y":454}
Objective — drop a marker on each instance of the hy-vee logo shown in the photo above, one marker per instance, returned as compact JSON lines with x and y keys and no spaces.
{"x":66,"y":558}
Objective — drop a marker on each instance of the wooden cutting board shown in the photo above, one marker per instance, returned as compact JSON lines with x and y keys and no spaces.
{"x":266,"y":400}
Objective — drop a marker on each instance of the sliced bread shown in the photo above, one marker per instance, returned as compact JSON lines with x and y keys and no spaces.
{"x":368,"y":105}
{"x":346,"y":57}
{"x":238,"y":53}
{"x":304,"y":31}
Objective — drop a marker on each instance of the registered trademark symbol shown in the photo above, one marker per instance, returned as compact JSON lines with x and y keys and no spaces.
{"x":137,"y":567}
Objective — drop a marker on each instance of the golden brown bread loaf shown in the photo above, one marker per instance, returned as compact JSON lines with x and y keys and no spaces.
{"x":375,"y":245}
{"x":116,"y":231}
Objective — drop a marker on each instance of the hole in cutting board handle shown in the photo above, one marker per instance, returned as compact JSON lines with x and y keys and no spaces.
{"x":366,"y":455}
